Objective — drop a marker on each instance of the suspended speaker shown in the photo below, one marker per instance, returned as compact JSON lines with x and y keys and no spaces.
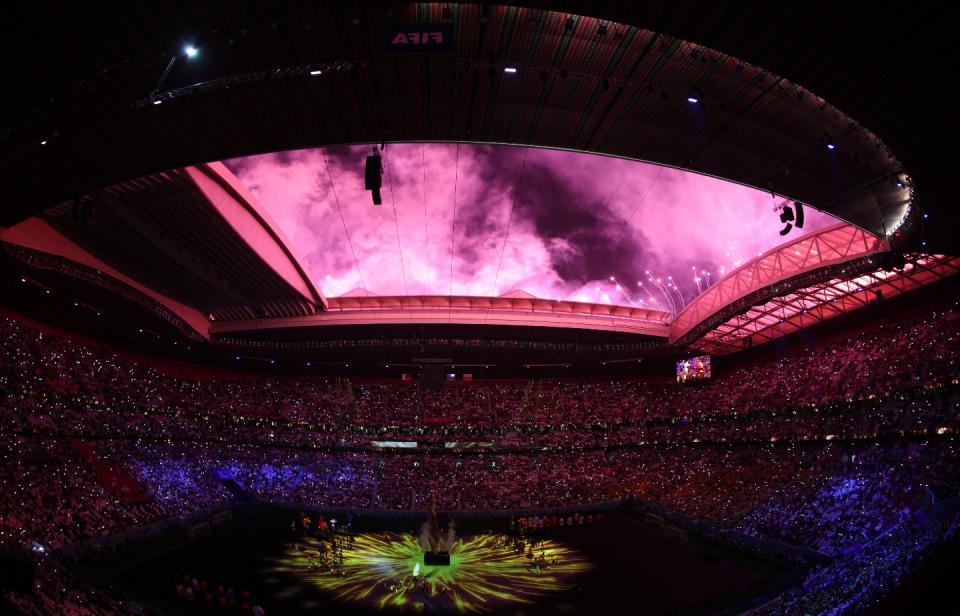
{"x":373,"y":177}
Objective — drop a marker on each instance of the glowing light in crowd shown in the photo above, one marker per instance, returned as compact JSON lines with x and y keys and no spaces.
{"x":484,"y":572}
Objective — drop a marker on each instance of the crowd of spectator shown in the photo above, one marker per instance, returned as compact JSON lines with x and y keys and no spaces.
{"x":857,"y":580}
{"x":214,"y":596}
{"x":895,"y":379}
{"x":832,"y":447}
{"x":832,"y":497}
{"x":827,"y":496}
{"x":58,"y":591}
{"x":48,"y":494}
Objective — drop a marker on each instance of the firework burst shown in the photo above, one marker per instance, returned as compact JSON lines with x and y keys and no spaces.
{"x":484,"y":571}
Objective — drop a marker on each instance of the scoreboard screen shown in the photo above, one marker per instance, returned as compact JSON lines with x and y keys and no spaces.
{"x":693,"y":369}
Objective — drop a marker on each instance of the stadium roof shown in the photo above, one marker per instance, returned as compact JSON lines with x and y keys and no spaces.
{"x":203,"y":251}
{"x":119,"y":167}
{"x":511,"y":309}
{"x":842,"y":247}
{"x":803,"y":307}
{"x":613,"y":83}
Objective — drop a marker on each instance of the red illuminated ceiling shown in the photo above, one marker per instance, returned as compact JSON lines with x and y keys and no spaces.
{"x":804,"y":307}
{"x":838,"y":244}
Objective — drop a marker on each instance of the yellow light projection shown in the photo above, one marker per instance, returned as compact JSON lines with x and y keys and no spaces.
{"x":386,"y":570}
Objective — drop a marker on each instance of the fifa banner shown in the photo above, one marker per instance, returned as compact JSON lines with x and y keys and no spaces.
{"x":467,"y":445}
{"x":394,"y":444}
{"x":417,"y":39}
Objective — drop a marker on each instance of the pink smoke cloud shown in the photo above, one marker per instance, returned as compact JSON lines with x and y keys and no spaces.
{"x":484,"y":220}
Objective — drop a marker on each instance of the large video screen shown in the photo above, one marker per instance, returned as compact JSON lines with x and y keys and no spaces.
{"x":693,"y":369}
